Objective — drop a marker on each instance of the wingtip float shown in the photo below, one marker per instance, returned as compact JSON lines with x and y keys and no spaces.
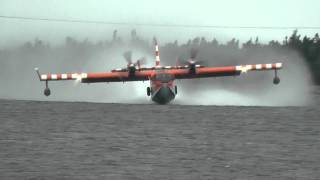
{"x":162,"y":78}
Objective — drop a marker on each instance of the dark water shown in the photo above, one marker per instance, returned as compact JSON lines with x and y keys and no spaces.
{"x":55,"y":140}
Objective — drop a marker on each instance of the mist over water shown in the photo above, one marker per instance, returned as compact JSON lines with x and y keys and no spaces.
{"x":255,"y":88}
{"x":19,"y":81}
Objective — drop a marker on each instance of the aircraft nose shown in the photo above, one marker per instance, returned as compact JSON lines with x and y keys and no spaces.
{"x":163,"y":95}
{"x":166,"y":91}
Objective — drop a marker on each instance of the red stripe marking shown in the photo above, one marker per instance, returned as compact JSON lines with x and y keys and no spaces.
{"x":69,"y":76}
{"x":59,"y":76}
{"x":264,"y":66}
{"x":119,"y":74}
{"x":217,"y":69}
{"x":254,"y":67}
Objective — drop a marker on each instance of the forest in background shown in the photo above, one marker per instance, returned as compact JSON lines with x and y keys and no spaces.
{"x":229,"y":53}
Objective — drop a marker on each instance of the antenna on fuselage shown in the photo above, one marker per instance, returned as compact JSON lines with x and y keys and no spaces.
{"x":157,"y":53}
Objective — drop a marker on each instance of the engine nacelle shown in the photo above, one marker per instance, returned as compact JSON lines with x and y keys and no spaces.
{"x":131,"y":70}
{"x":192,"y":68}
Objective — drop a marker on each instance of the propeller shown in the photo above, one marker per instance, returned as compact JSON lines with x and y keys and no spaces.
{"x":192,"y":60}
{"x":128,"y":56}
{"x":142,"y":60}
{"x":193,"y":53}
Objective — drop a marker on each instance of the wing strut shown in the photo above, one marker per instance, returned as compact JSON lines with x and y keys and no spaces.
{"x":47,"y":90}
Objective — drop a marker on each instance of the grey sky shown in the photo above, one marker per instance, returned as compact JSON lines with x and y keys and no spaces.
{"x":202,"y":12}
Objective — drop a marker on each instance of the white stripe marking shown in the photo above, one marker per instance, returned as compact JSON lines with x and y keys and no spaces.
{"x":64,"y":76}
{"x":84,"y":75}
{"x":268,"y":66}
{"x":248,"y":67}
{"x":54,"y":76}
{"x":44,"y":77}
{"x":74,"y":76}
{"x":278,"y":65}
{"x":258,"y":66}
{"x":239,"y":68}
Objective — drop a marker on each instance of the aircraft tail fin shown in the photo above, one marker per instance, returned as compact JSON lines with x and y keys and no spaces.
{"x":157,"y":53}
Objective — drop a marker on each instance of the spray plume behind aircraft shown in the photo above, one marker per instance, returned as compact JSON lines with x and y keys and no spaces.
{"x":250,"y":89}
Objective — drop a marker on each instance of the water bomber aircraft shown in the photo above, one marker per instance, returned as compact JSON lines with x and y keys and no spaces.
{"x":162,"y":87}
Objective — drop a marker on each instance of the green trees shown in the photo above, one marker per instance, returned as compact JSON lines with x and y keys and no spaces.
{"x":309,"y":49}
{"x":211,"y":50}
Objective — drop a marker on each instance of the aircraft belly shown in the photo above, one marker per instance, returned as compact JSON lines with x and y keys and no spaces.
{"x":163,"y":95}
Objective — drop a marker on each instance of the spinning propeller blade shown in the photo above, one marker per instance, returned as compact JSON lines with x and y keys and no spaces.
{"x":128,"y":56}
{"x":192,"y":60}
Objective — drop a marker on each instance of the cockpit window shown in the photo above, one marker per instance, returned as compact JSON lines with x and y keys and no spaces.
{"x":164,"y":77}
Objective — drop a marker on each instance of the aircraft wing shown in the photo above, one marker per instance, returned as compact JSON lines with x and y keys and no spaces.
{"x":204,"y":72}
{"x":186,"y":73}
{"x":97,"y":77}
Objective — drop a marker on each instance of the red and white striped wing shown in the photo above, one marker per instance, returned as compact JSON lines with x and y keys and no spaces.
{"x":201,"y":72}
{"x":259,"y":67}
{"x":97,"y":77}
{"x":204,"y":72}
{"x":66,"y":76}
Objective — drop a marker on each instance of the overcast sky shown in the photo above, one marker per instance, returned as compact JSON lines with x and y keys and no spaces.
{"x":200,"y":12}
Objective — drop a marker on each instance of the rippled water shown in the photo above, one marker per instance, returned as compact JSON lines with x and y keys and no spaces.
{"x":58,"y":140}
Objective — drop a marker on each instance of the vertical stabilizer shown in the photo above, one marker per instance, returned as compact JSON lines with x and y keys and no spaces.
{"x":157,"y":53}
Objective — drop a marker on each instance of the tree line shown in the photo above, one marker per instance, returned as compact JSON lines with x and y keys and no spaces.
{"x":307,"y":47}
